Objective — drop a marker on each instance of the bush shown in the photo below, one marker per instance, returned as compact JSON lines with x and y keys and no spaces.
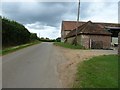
{"x":14,"y":33}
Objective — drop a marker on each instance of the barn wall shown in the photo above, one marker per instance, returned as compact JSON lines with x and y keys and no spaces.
{"x":66,"y":32}
{"x":70,"y":40}
{"x":84,"y":40}
{"x":63,"y":34}
{"x":105,"y":39}
{"x":79,"y":39}
{"x":87,"y":39}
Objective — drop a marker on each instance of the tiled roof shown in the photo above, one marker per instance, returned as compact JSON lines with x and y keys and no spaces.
{"x":70,"y":25}
{"x":89,"y":28}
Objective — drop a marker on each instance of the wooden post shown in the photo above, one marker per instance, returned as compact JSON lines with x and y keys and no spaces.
{"x":77,"y":25}
{"x":119,"y":43}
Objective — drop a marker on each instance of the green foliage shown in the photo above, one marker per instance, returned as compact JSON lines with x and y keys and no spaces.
{"x":33,"y":36}
{"x":98,"y":72}
{"x":14,"y":33}
{"x":67,"y":45}
{"x":58,"y":39}
{"x":46,"y":39}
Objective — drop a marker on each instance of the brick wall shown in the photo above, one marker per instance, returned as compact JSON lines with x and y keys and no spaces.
{"x":106,"y":40}
{"x":119,"y":43}
{"x":63,"y":34}
{"x":70,"y":40}
{"x":84,"y":40}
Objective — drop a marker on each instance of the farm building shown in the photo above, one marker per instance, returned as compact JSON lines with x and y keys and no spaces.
{"x":68,"y":26}
{"x":90,"y":34}
{"x":114,"y":31}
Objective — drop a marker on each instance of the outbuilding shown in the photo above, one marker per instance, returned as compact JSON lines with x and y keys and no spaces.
{"x":90,"y":35}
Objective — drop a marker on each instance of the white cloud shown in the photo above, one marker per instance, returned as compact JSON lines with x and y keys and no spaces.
{"x":96,"y":12}
{"x":18,"y":0}
{"x":36,"y":26}
{"x":0,"y":8}
{"x":59,"y":0}
{"x":43,"y":30}
{"x":39,"y":18}
{"x":102,"y":12}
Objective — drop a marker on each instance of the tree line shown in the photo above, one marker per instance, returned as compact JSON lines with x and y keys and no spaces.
{"x":14,"y":33}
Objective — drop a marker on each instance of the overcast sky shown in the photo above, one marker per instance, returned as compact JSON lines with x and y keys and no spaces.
{"x":45,"y":18}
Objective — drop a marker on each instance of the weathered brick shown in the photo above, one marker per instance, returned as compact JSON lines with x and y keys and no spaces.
{"x":85,"y":40}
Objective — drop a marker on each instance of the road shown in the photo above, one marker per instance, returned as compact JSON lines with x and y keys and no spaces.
{"x":32,"y":67}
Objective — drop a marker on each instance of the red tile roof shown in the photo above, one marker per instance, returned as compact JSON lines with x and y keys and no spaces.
{"x":89,"y":28}
{"x":70,"y":25}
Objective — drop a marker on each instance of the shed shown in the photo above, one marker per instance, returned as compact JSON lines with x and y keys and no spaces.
{"x":90,"y":35}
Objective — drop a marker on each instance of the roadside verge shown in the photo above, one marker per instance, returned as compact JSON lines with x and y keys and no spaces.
{"x":67,"y":45}
{"x":67,"y":69}
{"x":98,"y":72}
{"x":15,"y":48}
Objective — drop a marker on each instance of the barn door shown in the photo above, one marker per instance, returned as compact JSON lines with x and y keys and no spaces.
{"x":96,"y":44}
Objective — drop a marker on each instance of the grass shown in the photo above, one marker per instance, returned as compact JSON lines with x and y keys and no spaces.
{"x":66,"y":45}
{"x":98,"y":72}
{"x":15,"y":48}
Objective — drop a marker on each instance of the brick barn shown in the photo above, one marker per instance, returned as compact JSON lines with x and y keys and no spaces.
{"x":68,"y":26}
{"x":90,"y":35}
{"x":93,"y":35}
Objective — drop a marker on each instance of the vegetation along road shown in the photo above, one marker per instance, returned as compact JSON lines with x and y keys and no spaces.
{"x":32,"y":67}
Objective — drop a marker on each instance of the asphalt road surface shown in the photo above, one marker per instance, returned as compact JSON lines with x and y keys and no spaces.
{"x":32,"y":67}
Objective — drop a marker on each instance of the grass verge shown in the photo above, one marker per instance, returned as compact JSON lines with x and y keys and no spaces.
{"x":12,"y":49}
{"x":66,"y":45}
{"x":98,"y":72}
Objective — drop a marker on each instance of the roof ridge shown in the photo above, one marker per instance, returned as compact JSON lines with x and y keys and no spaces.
{"x":78,"y":31}
{"x":84,"y":26}
{"x":93,"y":22}
{"x":88,"y":28}
{"x":73,"y":21}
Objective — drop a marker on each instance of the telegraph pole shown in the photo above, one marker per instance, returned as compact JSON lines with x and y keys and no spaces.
{"x":39,"y":34}
{"x":77,"y":24}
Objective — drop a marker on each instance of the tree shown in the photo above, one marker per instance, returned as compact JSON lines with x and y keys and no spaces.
{"x":14,"y":33}
{"x":58,"y":39}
